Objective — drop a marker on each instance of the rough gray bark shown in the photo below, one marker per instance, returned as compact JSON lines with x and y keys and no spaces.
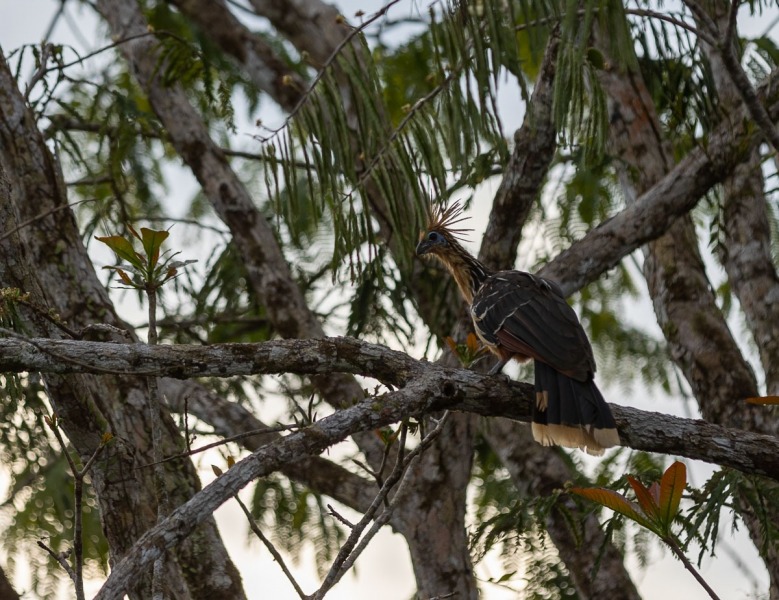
{"x":534,"y":146}
{"x":50,"y":262}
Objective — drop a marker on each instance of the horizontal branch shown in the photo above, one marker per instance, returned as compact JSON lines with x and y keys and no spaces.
{"x":440,"y":387}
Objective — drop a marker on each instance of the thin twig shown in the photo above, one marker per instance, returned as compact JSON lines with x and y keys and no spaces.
{"x":379,"y":156}
{"x":637,"y":12}
{"x":271,"y":548}
{"x":155,"y":410}
{"x":76,"y":574}
{"x":54,"y":20}
{"x":326,"y":65}
{"x":233,"y":438}
{"x":351,"y":549}
{"x":640,"y":12}
{"x":115,"y":44}
{"x":50,"y":318}
{"x":339,"y":517}
{"x":42,"y":215}
{"x":689,"y":566}
{"x":61,"y":558}
{"x":40,"y":72}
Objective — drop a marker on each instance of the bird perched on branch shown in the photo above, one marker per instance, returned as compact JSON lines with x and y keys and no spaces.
{"x":521,"y":316}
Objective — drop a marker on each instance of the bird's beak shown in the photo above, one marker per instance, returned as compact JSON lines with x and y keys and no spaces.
{"x":423,"y":247}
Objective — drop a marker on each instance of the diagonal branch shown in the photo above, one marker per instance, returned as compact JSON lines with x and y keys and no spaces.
{"x":535,"y":145}
{"x":266,"y":69}
{"x":727,"y":49}
{"x":267,"y":269}
{"x":230,"y":418}
{"x":655,"y":210}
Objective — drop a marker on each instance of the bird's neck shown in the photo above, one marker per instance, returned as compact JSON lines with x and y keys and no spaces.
{"x":468,"y":272}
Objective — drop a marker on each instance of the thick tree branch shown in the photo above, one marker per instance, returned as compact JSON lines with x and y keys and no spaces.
{"x":653,"y":211}
{"x":457,"y":389}
{"x":230,"y":418}
{"x":256,"y":57}
{"x":534,"y":147}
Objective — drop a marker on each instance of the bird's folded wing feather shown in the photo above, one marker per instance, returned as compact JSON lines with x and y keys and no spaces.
{"x":527,"y":315}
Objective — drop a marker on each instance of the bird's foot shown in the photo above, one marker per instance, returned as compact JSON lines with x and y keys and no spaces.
{"x":498,"y":367}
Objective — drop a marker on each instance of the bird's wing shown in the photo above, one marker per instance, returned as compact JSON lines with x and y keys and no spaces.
{"x":528,"y":315}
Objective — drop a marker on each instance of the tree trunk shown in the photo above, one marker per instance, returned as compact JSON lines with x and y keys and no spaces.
{"x":48,"y":261}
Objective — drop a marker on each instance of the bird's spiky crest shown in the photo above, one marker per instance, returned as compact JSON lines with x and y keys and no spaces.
{"x":444,"y":217}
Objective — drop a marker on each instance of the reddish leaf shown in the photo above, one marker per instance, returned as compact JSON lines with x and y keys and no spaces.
{"x":764,"y":400}
{"x":152,"y":241}
{"x":122,"y":248}
{"x":132,"y":230}
{"x":217,"y":471}
{"x":644,"y":497}
{"x":124,"y":277}
{"x":472,"y":343}
{"x":451,"y":343}
{"x":654,"y":491}
{"x":672,"y":486}
{"x":614,"y":501}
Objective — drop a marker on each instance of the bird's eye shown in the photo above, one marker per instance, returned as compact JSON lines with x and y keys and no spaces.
{"x":433,"y":236}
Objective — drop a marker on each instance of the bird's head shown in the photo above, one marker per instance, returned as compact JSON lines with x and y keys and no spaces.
{"x":439,"y":238}
{"x":434,"y":242}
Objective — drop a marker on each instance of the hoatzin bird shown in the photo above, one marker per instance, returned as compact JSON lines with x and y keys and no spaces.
{"x":522,"y":316}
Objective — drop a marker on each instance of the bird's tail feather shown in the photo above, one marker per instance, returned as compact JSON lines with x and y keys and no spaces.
{"x":571,"y":413}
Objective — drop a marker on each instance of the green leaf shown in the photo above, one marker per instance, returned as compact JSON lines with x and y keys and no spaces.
{"x":595,"y":58}
{"x":616,"y":502}
{"x":672,"y":486}
{"x":122,"y":248}
{"x":152,"y":241}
